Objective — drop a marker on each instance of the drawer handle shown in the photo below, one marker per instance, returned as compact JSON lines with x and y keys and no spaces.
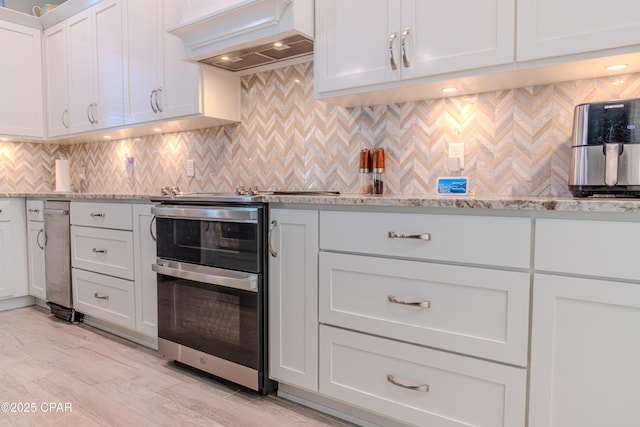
{"x":99,"y":251}
{"x":98,"y":296}
{"x":97,"y":215}
{"x":34,"y":210}
{"x":423,"y":304}
{"x":423,"y":236}
{"x":421,"y":387}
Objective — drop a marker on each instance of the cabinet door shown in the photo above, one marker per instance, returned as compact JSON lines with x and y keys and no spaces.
{"x":351,"y":50}
{"x":6,"y":287}
{"x":549,"y":28}
{"x":21,"y":109}
{"x":146,"y":291}
{"x":180,"y":93}
{"x":444,"y":36}
{"x":109,"y":79}
{"x":35,"y":247}
{"x":55,"y":39}
{"x":293,"y":298}
{"x":584,"y":353}
{"x":144,"y":52}
{"x":81,"y":72}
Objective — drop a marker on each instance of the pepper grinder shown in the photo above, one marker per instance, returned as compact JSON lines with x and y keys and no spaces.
{"x":366,"y":186}
{"x":378,"y":171}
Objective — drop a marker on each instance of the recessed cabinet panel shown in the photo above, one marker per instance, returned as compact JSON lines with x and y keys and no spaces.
{"x":418,"y":385}
{"x":551,"y":28}
{"x":584,"y":353}
{"x":21,"y":88}
{"x":475,"y":311}
{"x":500,"y":241}
{"x":103,"y":251}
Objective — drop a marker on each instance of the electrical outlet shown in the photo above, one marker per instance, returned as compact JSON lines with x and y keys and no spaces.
{"x":191,"y":168}
{"x":456,"y":149}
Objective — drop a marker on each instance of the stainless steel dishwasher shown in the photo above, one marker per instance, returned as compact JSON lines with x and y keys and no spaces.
{"x":57,"y":260}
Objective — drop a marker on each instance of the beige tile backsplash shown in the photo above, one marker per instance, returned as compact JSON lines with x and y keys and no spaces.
{"x":516,"y":143}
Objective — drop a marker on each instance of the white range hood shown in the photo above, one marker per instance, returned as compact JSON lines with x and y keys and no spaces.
{"x":242,"y":34}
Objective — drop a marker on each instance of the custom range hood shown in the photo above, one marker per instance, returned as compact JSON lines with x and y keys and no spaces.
{"x":238,"y":35}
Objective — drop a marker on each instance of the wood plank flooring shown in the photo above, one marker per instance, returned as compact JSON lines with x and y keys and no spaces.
{"x":76,"y":375}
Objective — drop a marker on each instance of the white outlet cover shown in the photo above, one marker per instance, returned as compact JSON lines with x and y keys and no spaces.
{"x":456,"y":149}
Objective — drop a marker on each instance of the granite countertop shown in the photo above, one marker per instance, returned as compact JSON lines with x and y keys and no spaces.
{"x":603,"y":204}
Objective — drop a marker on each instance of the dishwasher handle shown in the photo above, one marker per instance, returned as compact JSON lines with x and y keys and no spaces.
{"x":56,"y":211}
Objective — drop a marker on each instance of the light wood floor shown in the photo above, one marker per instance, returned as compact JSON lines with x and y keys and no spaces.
{"x":108,"y":381}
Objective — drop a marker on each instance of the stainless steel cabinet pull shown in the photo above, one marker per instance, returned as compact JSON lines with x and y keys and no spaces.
{"x":423,"y":304}
{"x":405,"y":60}
{"x":98,"y":296}
{"x":33,"y":210}
{"x":65,"y":116}
{"x":421,"y":387}
{"x":423,"y":236}
{"x":89,"y":113}
{"x":151,"y":229}
{"x":94,"y":113}
{"x":392,"y":60}
{"x":97,"y":215}
{"x":151,"y":101}
{"x":158,"y":107}
{"x":99,"y":251}
{"x":38,"y":239}
{"x":273,"y":225}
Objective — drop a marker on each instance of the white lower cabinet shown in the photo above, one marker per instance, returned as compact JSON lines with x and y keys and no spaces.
{"x":475,"y":311}
{"x":418,"y":385}
{"x":13,"y":249}
{"x":112,"y":250}
{"x":105,"y":297}
{"x":146,"y":286}
{"x":35,"y":248}
{"x":584,"y":352}
{"x":293,"y":297}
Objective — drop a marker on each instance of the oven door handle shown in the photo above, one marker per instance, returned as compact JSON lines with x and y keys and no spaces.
{"x":207,"y":213}
{"x":247,"y":283}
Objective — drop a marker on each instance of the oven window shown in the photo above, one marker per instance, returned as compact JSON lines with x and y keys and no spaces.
{"x":229,"y":245}
{"x":213,"y":319}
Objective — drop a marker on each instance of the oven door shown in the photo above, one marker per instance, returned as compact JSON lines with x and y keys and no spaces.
{"x":226,"y":237}
{"x":209,"y":318}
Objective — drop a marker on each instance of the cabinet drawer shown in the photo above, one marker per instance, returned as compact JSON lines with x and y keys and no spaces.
{"x":103,"y":251}
{"x":462,"y":391}
{"x":104,"y":297}
{"x":5,"y":210}
{"x":595,"y":248}
{"x":468,"y":310}
{"x":503,"y":241}
{"x":103,"y":215}
{"x":35,"y":210}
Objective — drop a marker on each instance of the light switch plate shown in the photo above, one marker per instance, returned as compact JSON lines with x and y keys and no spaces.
{"x":456,"y":150}
{"x":191,"y":168}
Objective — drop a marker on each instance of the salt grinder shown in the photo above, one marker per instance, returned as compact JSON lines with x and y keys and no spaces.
{"x":378,"y":171}
{"x":366,"y":186}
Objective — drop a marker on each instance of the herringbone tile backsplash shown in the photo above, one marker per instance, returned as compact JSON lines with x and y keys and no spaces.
{"x":516,"y":143}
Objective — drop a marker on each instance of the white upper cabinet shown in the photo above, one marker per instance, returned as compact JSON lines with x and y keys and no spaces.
{"x":550,"y":28}
{"x":55,"y":48}
{"x":161,"y":85}
{"x":84,"y":78}
{"x":95,"y":72}
{"x":21,"y":109}
{"x":408,"y":39}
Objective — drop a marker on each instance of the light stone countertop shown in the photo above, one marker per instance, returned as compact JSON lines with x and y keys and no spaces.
{"x":602,"y":204}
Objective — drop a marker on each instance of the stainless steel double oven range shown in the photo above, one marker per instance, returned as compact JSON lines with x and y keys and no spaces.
{"x":212,"y":285}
